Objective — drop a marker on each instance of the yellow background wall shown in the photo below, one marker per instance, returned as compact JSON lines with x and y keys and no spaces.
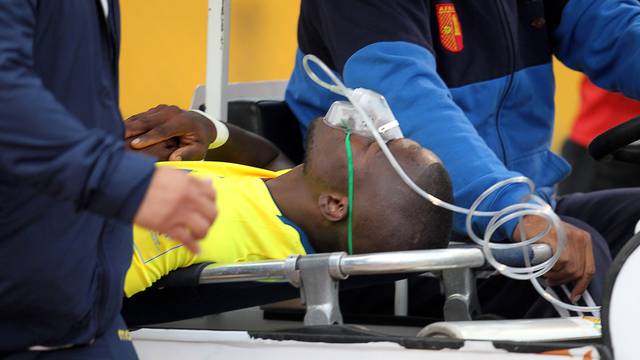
{"x":163,"y":55}
{"x":163,"y":52}
{"x":567,"y":101}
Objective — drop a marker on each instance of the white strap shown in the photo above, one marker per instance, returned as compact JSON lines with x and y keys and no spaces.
{"x":222,"y":132}
{"x":388,"y":126}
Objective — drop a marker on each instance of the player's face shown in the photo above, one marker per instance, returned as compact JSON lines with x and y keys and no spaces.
{"x":326,"y":152}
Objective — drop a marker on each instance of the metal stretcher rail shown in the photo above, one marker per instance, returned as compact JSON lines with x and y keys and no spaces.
{"x":253,"y":271}
{"x":367,"y":264}
{"x":411,"y":261}
{"x":318,"y":275}
{"x":343,"y":265}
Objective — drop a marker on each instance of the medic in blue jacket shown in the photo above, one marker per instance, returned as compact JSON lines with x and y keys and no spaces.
{"x":473,"y":81}
{"x":69,"y":190}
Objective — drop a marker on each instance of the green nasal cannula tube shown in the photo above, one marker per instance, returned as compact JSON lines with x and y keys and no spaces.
{"x":347,"y":145}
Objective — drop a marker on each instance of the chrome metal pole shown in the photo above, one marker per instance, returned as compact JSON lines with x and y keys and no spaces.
{"x":262,"y":270}
{"x":368,"y":264}
{"x":411,"y":261}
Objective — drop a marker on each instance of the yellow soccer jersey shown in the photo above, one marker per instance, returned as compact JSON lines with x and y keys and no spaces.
{"x":249,"y":227}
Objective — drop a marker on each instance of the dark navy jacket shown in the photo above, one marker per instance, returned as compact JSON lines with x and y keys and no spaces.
{"x":68,"y":188}
{"x":471,"y":79}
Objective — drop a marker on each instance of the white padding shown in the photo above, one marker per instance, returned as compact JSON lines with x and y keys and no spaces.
{"x":573,"y":328}
{"x":161,"y":344}
{"x":624,"y":310}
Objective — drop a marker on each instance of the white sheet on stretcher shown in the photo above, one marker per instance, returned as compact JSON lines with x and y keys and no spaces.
{"x":160,"y":344}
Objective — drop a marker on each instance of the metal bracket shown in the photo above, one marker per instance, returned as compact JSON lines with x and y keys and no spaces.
{"x":291,"y":270}
{"x":461,"y":298}
{"x":319,"y":281}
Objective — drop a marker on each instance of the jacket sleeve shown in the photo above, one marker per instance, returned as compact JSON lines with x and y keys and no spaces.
{"x":42,"y":145}
{"x":602,"y":39}
{"x":389,"y":50}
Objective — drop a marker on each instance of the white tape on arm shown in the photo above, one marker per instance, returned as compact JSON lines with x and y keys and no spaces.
{"x":222,"y":132}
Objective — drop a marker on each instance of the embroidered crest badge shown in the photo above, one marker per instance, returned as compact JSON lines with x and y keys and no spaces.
{"x":450,"y":29}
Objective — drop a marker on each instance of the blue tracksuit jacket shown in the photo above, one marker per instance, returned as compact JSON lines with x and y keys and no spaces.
{"x":470,"y":79}
{"x":68,"y":188}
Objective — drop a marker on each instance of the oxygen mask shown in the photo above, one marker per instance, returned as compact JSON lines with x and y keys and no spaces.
{"x":344,"y":115}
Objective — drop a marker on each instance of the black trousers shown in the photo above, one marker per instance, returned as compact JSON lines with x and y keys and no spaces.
{"x":609,"y":216}
{"x":114,"y":344}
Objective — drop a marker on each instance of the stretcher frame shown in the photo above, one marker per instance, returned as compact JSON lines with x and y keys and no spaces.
{"x":318,"y":276}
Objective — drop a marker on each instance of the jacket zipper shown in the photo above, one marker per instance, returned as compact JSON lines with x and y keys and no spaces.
{"x":103,"y":287}
{"x":511,"y":57}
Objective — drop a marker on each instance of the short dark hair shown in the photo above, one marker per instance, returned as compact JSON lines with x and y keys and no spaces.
{"x":407,"y":221}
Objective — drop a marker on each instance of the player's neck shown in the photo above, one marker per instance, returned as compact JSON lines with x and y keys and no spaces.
{"x":295,"y":200}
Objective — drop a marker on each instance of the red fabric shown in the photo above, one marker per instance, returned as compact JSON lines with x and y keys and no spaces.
{"x":599,"y":111}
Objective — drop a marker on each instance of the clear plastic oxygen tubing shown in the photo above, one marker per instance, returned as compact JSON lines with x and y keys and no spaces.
{"x":535,"y":206}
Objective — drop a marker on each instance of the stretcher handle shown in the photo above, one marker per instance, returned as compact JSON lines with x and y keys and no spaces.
{"x":617,"y":142}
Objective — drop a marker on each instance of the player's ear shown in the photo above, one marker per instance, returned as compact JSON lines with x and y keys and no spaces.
{"x":333,"y":206}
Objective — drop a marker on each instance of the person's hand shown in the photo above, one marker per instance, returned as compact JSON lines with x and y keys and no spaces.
{"x":576,"y":263}
{"x":161,"y":151}
{"x":178,"y":205}
{"x":193,"y":131}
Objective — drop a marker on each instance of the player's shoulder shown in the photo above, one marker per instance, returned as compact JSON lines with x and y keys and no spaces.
{"x":219,"y":169}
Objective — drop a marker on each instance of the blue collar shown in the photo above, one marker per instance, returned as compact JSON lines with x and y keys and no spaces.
{"x":303,"y":237}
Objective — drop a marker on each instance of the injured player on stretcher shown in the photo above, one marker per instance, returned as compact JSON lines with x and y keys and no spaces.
{"x":267,"y":214}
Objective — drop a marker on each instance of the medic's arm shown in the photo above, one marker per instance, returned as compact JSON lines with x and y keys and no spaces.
{"x":386,"y":46}
{"x":600,"y":38}
{"x":247,"y":148}
{"x":44,"y":146}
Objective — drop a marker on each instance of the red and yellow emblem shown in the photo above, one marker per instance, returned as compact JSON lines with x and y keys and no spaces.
{"x":450,"y":29}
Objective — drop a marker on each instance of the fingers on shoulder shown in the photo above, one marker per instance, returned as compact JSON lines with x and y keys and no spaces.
{"x":194,"y":151}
